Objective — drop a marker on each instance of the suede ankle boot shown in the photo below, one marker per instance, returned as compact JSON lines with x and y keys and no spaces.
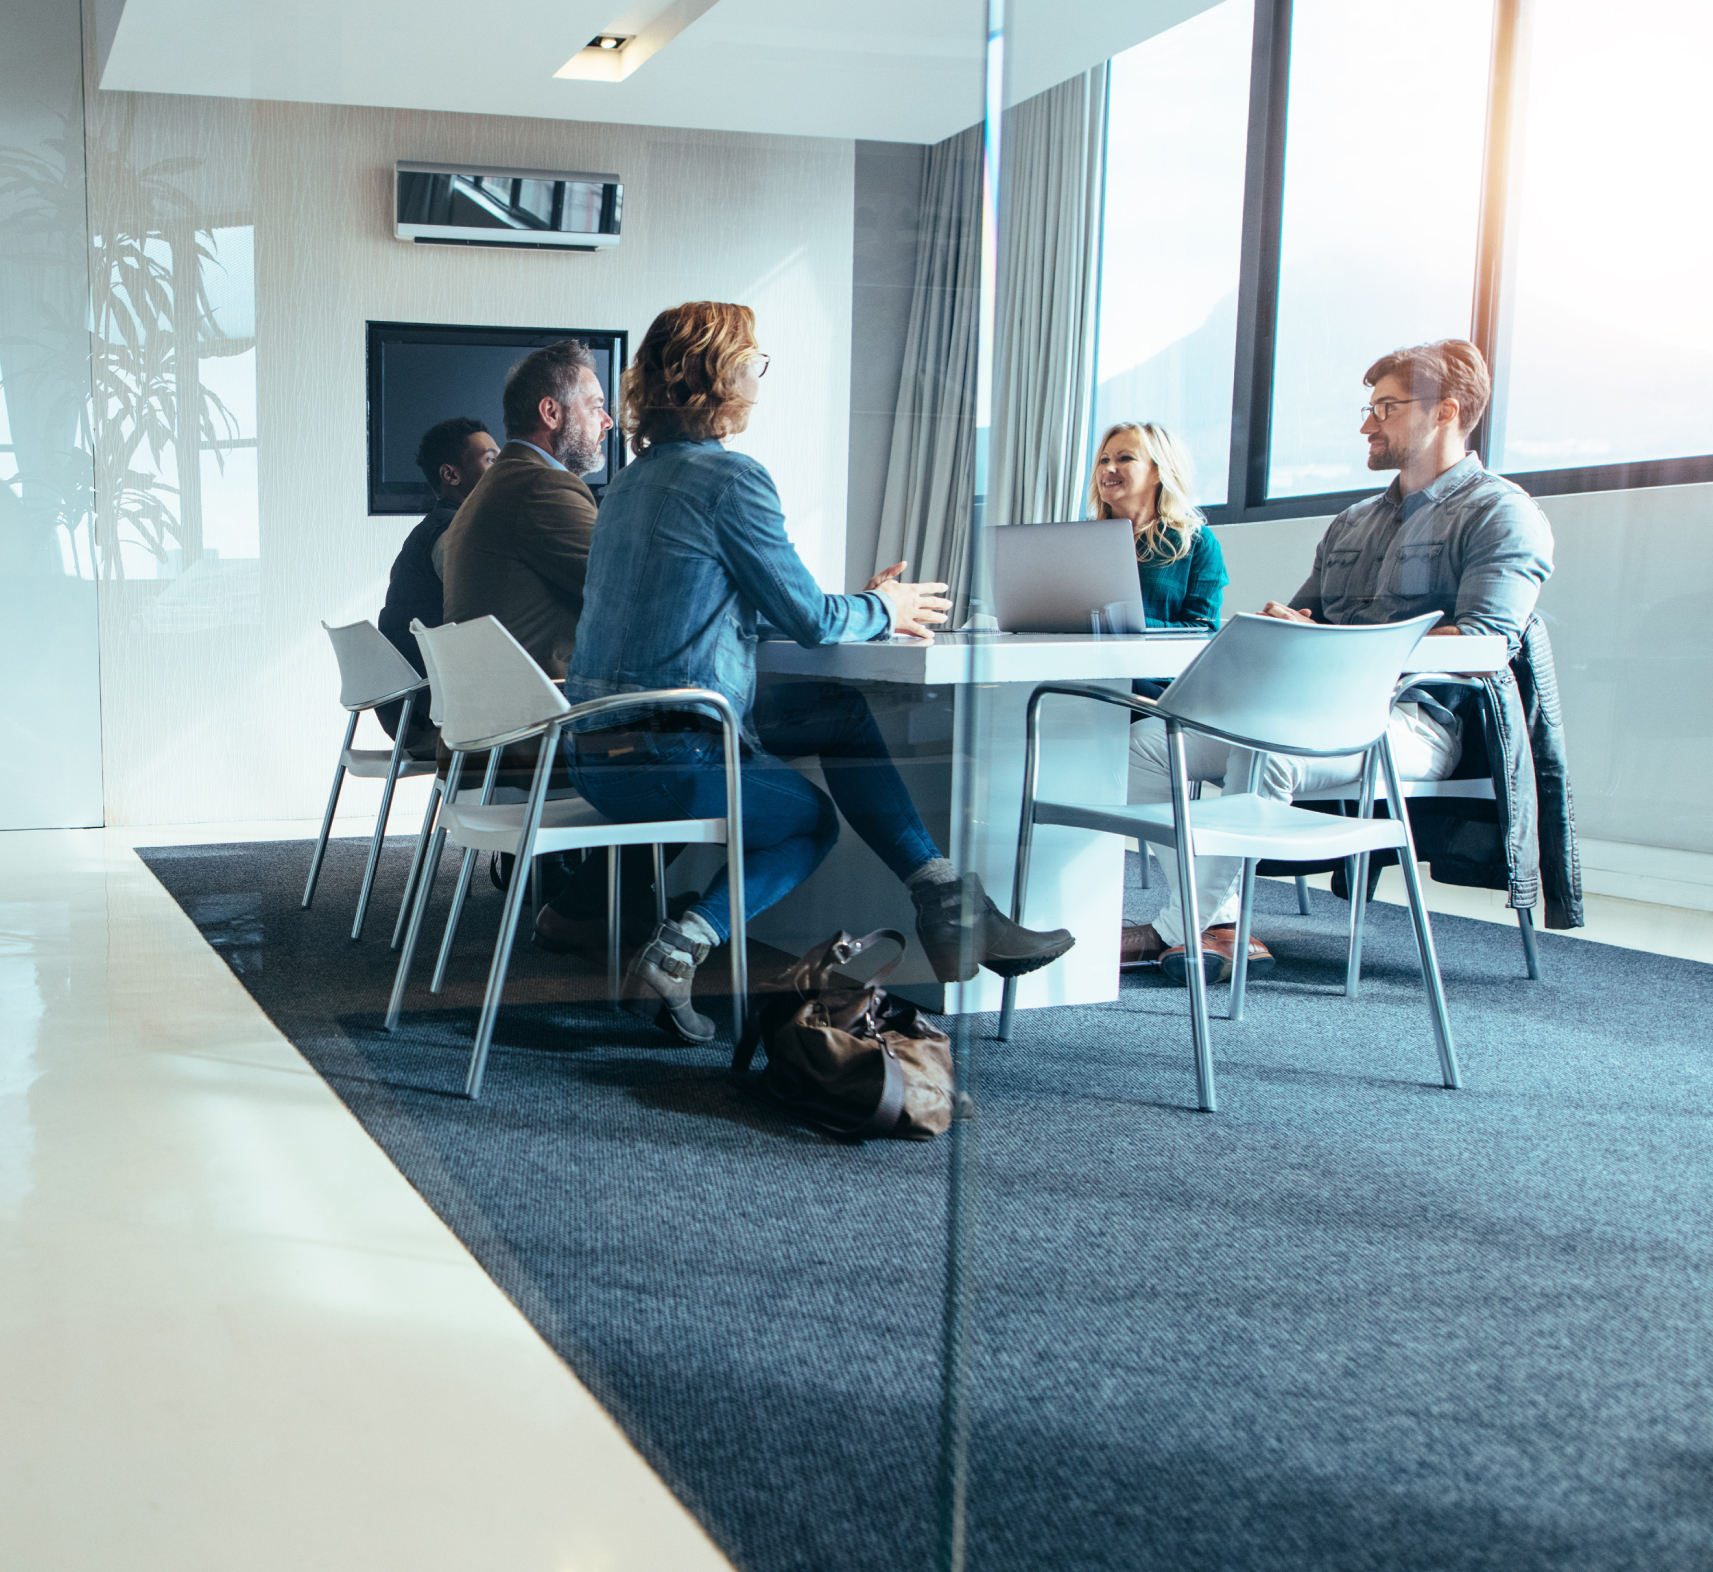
{"x":961,"y":929}
{"x":658,"y":984}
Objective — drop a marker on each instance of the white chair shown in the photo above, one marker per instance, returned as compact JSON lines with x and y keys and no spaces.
{"x":1276,"y":687}
{"x":503,"y":794}
{"x":371,"y":673}
{"x":1473,"y":789}
{"x":492,"y":694}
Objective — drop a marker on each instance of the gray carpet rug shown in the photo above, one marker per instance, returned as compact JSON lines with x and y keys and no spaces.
{"x":1352,"y":1321}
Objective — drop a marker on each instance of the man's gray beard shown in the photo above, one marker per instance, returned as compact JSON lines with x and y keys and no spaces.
{"x":579,"y":457}
{"x":570,"y":448}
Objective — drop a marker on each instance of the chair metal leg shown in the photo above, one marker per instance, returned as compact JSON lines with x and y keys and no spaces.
{"x":659,"y":882}
{"x":1147,"y":866}
{"x":327,"y":818}
{"x":1526,"y":926}
{"x":1424,"y":934}
{"x":1358,"y":917}
{"x":534,"y":888}
{"x":416,"y":862}
{"x":738,"y":945}
{"x":1358,"y":877}
{"x":1240,"y":954}
{"x":460,"y":892}
{"x":1025,"y":849}
{"x":509,"y":912}
{"x":1302,"y":895}
{"x":425,"y":889}
{"x":614,"y":916}
{"x":1184,"y":835}
{"x":381,"y":818}
{"x":465,"y":870}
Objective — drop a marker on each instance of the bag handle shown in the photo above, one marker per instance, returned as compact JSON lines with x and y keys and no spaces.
{"x":841,"y":948}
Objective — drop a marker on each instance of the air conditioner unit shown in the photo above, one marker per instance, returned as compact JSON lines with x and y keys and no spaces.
{"x":464,"y":205}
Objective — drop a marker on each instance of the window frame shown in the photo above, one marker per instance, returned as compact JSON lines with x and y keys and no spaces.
{"x":1247,"y":500}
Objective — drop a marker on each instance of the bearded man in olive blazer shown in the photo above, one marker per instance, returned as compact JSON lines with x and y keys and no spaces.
{"x":519,"y":546}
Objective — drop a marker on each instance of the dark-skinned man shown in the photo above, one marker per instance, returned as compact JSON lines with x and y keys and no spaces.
{"x":452,"y":456}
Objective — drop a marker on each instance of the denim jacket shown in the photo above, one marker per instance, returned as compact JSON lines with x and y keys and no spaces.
{"x":689,"y":552}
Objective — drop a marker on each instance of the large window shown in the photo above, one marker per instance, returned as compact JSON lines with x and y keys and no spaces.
{"x":1177,"y":118}
{"x":1608,"y":353}
{"x":1526,"y":173}
{"x":1382,"y":213}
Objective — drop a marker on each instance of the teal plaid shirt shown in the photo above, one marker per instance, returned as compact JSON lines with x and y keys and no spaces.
{"x":1185,"y":593}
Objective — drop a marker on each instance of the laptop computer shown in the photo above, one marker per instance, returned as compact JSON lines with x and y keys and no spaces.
{"x":1075,"y":577}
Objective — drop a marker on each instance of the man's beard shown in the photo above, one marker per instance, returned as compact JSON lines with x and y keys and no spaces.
{"x":1386,"y":457}
{"x":576,"y":452}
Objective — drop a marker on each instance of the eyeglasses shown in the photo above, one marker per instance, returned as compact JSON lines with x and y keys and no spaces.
{"x":764,"y":362}
{"x":1384,"y":410}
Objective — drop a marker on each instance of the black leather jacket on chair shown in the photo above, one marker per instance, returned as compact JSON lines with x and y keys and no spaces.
{"x":1524,"y":841}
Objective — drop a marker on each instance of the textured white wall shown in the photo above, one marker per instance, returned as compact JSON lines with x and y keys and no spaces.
{"x":219,"y":694}
{"x":1630,"y":610}
{"x":51,"y":773}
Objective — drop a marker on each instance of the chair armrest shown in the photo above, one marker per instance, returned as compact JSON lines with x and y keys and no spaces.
{"x":1421,"y":679}
{"x":655,"y":699}
{"x":390,"y":698}
{"x":1077,"y":690}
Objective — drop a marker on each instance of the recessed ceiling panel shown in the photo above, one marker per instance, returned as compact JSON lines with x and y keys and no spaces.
{"x":890,"y":71}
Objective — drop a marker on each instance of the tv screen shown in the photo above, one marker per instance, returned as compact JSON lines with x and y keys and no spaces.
{"x":422,"y":373}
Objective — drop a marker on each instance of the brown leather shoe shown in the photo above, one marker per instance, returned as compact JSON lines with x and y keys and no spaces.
{"x":567,"y":936}
{"x":1138,"y":946}
{"x":1218,"y":950}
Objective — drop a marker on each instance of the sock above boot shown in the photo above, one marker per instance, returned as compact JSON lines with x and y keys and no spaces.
{"x":937,"y":870}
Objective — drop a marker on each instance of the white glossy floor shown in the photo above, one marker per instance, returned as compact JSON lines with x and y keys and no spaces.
{"x":231,"y":1335}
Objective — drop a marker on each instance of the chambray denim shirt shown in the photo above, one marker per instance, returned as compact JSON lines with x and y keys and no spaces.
{"x":1469,"y":544}
{"x":689,"y":552}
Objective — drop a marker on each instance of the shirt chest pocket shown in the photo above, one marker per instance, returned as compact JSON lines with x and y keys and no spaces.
{"x":1338,"y":573}
{"x":1422,"y":569}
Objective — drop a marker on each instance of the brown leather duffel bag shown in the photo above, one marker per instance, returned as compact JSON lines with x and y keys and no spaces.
{"x":841,"y":1057}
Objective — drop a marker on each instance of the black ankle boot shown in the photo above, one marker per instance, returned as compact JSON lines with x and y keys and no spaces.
{"x":658,"y":982}
{"x":946,"y":913}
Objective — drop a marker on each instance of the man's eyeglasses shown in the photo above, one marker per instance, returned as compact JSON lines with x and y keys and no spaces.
{"x":1384,"y":409}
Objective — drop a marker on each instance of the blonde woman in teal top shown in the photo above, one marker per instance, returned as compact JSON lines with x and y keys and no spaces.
{"x":1143,"y":474}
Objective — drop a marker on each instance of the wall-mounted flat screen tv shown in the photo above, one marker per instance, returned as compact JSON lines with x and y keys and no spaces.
{"x":421,"y":373}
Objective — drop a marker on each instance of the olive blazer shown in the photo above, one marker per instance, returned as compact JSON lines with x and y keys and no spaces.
{"x":518,"y":550}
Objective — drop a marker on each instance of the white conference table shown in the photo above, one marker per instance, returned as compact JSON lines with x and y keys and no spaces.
{"x":952,"y":715}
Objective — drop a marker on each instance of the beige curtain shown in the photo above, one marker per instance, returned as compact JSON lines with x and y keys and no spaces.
{"x":1053,"y":147}
{"x":1049,"y":275}
{"x":930,"y":474}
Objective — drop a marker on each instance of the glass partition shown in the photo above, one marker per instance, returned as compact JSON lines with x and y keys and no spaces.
{"x":1323,"y":1326}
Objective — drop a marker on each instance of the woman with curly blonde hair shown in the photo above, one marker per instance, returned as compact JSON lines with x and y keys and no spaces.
{"x":689,"y":554}
{"x":1143,"y":474}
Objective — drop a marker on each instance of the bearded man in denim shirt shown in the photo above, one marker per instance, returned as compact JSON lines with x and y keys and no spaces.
{"x":1445,"y":536}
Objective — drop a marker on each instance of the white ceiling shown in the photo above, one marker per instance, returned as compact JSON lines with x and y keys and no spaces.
{"x":889,"y":70}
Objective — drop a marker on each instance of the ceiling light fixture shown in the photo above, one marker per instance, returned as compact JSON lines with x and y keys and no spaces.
{"x":608,"y":41}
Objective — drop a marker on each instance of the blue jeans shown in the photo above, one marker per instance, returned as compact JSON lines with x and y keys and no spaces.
{"x":789,"y":824}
